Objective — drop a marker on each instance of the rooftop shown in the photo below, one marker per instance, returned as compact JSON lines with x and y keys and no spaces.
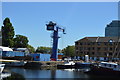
{"x":101,"y":39}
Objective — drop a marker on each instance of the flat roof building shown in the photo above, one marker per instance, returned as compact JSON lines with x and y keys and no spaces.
{"x":98,"y":47}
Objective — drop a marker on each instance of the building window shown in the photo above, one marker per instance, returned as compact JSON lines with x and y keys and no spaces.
{"x":81,"y":48}
{"x":115,"y":66}
{"x":93,"y":53}
{"x":110,"y":42}
{"x":98,"y":48}
{"x":88,"y":48}
{"x":105,"y":43}
{"x":87,"y":53}
{"x":93,"y":48}
{"x":98,"y":43}
{"x":105,"y":48}
{"x":76,"y":43}
{"x":93,"y":43}
{"x":76,"y":48}
{"x":99,"y":53}
{"x":81,"y":44}
{"x":110,"y":48}
{"x":105,"y":53}
{"x":116,"y":49}
{"x":81,"y":52}
{"x":110,"y":54}
{"x":88,"y":43}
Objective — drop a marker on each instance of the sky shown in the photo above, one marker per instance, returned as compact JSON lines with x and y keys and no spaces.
{"x":81,"y":19}
{"x":59,"y":0}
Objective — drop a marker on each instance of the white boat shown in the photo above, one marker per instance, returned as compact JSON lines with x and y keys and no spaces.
{"x":106,"y":68}
{"x":14,"y":63}
{"x":3,"y":74}
{"x":66,"y":65}
{"x":1,"y":67}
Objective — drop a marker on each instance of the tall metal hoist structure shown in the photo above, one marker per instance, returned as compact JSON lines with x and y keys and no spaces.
{"x":51,"y":26}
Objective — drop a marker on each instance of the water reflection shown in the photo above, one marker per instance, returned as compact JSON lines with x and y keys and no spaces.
{"x":64,"y":73}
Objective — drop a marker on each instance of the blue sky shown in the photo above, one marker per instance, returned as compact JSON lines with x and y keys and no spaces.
{"x":81,"y":19}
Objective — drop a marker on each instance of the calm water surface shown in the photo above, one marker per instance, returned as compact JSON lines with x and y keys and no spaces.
{"x":64,"y":73}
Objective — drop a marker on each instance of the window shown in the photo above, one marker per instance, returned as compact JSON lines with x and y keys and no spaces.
{"x":104,"y":64}
{"x":87,"y":53}
{"x":105,"y":43}
{"x":110,"y":48}
{"x":88,"y":48}
{"x":98,"y":48}
{"x":81,"y":48}
{"x":110,"y":42}
{"x":93,"y":43}
{"x":105,"y":48}
{"x":76,"y":48}
{"x":76,"y":43}
{"x":88,"y":43}
{"x":109,"y":65}
{"x":110,"y":54}
{"x":98,"y":43}
{"x":81,"y":52}
{"x":81,"y":44}
{"x":93,"y":53}
{"x":115,"y":66}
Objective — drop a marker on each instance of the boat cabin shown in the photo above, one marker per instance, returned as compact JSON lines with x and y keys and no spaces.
{"x":110,"y":65}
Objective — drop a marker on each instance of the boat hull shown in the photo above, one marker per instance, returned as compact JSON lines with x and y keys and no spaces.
{"x":15,"y":64}
{"x":33,"y":65}
{"x":65,"y":66}
{"x":1,"y":67}
{"x":82,"y":65}
{"x":103,"y":71}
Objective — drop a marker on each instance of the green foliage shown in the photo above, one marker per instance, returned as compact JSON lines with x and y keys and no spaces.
{"x":20,"y":41}
{"x":31,"y":49}
{"x":7,"y":33}
{"x":43,"y":50}
{"x":69,"y":51}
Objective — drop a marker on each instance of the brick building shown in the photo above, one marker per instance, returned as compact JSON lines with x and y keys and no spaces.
{"x":102,"y":48}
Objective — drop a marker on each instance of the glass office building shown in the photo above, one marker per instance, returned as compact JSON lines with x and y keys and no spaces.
{"x":113,"y":29}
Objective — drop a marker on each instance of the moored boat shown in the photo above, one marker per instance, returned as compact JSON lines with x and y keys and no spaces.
{"x":2,"y":67}
{"x":14,"y":63}
{"x":66,"y":65}
{"x":3,"y":74}
{"x":83,"y":64}
{"x":106,"y":68}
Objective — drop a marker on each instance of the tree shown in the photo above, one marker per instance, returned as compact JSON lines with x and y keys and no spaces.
{"x":31,"y":49}
{"x":69,"y":51}
{"x":20,"y":41}
{"x":43,"y":50}
{"x":7,"y":33}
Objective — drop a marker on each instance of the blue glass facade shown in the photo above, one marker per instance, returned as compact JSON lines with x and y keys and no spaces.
{"x":113,"y":29}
